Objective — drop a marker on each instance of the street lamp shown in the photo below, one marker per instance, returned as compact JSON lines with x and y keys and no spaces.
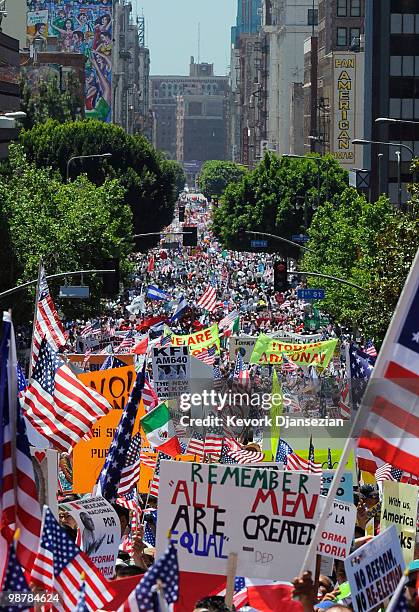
{"x":399,"y":145}
{"x":100,"y":155}
{"x":392,"y":120}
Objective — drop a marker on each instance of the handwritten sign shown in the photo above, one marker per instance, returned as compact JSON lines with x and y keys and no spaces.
{"x":114,"y":384}
{"x":345,"y":490}
{"x":336,"y":537}
{"x":100,"y":531}
{"x":400,"y":502}
{"x":267,"y":517}
{"x":374,"y":570}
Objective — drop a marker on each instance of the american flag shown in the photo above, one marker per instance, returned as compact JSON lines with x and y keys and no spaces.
{"x":217,"y":377}
{"x":58,"y":404}
{"x":81,"y":602}
{"x":370,"y":349}
{"x":294,"y":462}
{"x":240,"y":454}
{"x":131,"y":470}
{"x":388,"y":472}
{"x":207,"y":355}
{"x":154,"y":486}
{"x":361,"y":366}
{"x":22,"y":383}
{"x":47,"y":321}
{"x":226,"y":324}
{"x":14,"y":581}
{"x":285,"y":304}
{"x":213,"y":446}
{"x":112,"y":362}
{"x":60,"y":565}
{"x":19,"y":505}
{"x":344,"y":407}
{"x":147,"y":460}
{"x":149,"y":530}
{"x":241,"y":374}
{"x":391,"y":430}
{"x":145,"y":597}
{"x":127,"y":343}
{"x":282,"y":452}
{"x":150,"y":399}
{"x":92,"y":328}
{"x":196,"y":445}
{"x":240,"y":597}
{"x":130,"y":502}
{"x":208,"y":299}
{"x":117,"y":475}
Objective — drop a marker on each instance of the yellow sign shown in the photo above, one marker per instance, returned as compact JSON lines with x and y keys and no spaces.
{"x":400,"y":502}
{"x":199,"y":340}
{"x":271,"y":351}
{"x":147,"y":472}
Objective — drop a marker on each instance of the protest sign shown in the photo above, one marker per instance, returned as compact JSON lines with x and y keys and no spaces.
{"x":95,"y":362}
{"x":345,"y":489}
{"x":171,"y":371}
{"x":399,"y":508}
{"x":271,"y":351}
{"x":243,"y":345}
{"x":45,"y":469}
{"x":100,"y":531}
{"x":336,"y":538}
{"x":267,"y":517}
{"x":89,"y":455}
{"x":374,"y":570}
{"x":205,"y":338}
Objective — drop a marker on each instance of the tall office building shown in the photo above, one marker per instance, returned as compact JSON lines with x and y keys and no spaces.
{"x":248,"y":18}
{"x":391,"y":90}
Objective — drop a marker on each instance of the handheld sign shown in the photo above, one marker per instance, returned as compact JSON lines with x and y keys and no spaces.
{"x":345,"y":490}
{"x":400,"y":502}
{"x":336,"y":537}
{"x":374,"y":570}
{"x":267,"y":517}
{"x":171,"y":371}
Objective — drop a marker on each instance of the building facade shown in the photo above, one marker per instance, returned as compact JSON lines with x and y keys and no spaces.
{"x":334,"y":82}
{"x":9,"y":89}
{"x":165,"y":90}
{"x":14,"y":24}
{"x":391,"y":91}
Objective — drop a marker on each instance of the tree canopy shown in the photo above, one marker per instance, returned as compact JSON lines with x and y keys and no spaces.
{"x":71,"y":226}
{"x":149,"y":181}
{"x":370,"y":244}
{"x":277,"y":197}
{"x":215,"y":175}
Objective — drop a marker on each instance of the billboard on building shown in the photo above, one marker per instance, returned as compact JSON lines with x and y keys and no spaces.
{"x":79,"y":26}
{"x":345,"y":81}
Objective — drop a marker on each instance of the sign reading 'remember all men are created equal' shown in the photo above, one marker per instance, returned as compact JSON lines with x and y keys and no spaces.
{"x":267,"y":517}
{"x":374,"y":570}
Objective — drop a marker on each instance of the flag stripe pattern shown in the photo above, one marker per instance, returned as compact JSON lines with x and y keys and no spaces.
{"x":58,"y":404}
{"x":208,"y":299}
{"x":47,"y":321}
{"x":131,"y":471}
{"x":391,"y":431}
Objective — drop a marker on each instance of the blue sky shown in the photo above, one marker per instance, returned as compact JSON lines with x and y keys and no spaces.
{"x":172,"y":32}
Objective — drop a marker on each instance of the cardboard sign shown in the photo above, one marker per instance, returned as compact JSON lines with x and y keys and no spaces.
{"x":100,"y":531}
{"x":45,"y":469}
{"x":171,"y":371}
{"x":267,"y":517}
{"x":89,"y":455}
{"x":95,"y":362}
{"x":336,"y":538}
{"x":399,"y":508}
{"x":146,"y":472}
{"x":345,"y":490}
{"x":374,"y":570}
{"x":243,"y":345}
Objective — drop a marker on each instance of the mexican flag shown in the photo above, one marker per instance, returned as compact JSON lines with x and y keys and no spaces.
{"x":158,"y":428}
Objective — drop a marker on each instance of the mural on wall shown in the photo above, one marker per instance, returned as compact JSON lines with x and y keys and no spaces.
{"x":80,"y":26}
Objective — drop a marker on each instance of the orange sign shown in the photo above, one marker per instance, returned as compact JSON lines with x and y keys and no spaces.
{"x":146,"y":472}
{"x":94,"y":362}
{"x":89,"y":456}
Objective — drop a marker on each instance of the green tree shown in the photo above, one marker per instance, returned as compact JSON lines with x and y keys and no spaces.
{"x":175,"y":169}
{"x":278,"y":197}
{"x":216,"y":175}
{"x":71,"y":226}
{"x":49,"y":102}
{"x":149,"y":181}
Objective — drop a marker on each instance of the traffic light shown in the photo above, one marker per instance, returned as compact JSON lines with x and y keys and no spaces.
{"x":191,"y":238}
{"x":181,"y":214}
{"x":280,"y":276}
{"x":111,"y":281}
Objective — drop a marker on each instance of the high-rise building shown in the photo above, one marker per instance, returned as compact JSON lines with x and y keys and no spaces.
{"x":391,"y":91}
{"x":248,"y":19}
{"x":334,"y":81}
{"x":166,"y":89}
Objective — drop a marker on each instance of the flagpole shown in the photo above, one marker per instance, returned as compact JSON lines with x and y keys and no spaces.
{"x":152,"y":480}
{"x":35,"y":314}
{"x":231,"y":576}
{"x":363,"y":411}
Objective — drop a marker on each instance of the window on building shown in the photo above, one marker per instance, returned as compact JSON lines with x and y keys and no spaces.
{"x":342,"y":37}
{"x":342,"y":8}
{"x":416,"y":110}
{"x":354,"y":35}
{"x":396,"y":23}
{"x":407,"y":108}
{"x":312,"y":17}
{"x":408,"y":24}
{"x":355,"y":8}
{"x":396,"y":65}
{"x":417,"y":65}
{"x":395,"y":108}
{"x":408,"y":65}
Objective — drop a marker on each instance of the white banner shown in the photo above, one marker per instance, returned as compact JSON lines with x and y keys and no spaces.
{"x":336,"y":537}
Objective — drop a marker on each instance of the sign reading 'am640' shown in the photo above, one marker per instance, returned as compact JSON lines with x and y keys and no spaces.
{"x":267,"y":517}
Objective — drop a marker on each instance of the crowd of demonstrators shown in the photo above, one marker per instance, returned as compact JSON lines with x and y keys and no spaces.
{"x":244,"y":293}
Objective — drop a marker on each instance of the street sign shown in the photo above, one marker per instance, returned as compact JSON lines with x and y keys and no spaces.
{"x":300,"y":238}
{"x":310,"y":294}
{"x":259,"y":244}
{"x":74,"y":291}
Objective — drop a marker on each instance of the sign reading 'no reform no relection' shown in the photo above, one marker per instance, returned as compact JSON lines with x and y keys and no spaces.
{"x":267,"y":517}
